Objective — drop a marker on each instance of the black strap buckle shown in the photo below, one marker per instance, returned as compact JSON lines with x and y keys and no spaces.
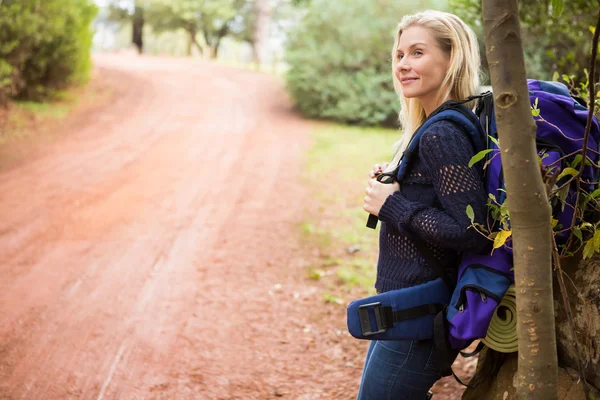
{"x":365,"y":319}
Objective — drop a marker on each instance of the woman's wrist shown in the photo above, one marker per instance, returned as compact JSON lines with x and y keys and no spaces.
{"x":397,"y":209}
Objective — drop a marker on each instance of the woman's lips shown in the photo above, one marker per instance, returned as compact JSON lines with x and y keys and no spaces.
{"x":407,"y":81}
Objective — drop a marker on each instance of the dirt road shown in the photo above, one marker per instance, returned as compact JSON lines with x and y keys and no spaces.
{"x":150,"y":253}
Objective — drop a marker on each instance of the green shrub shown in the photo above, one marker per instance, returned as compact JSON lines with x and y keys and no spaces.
{"x":339,"y":56}
{"x":552,"y":43}
{"x":44,"y":46}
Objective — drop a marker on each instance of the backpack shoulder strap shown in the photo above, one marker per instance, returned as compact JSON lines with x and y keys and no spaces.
{"x":454,"y":112}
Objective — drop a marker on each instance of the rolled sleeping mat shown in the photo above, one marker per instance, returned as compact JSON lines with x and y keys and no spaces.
{"x":403,"y":314}
{"x":502,"y":332}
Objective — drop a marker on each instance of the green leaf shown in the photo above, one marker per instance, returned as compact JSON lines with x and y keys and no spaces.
{"x":535,"y":112}
{"x":494,"y":140}
{"x":470,"y":213}
{"x":585,"y":200}
{"x":500,"y":239}
{"x":577,"y":160}
{"x":478,"y":157}
{"x":596,"y":240}
{"x":567,"y":171}
{"x":554,"y":222}
{"x":557,"y":8}
{"x":504,"y":209}
{"x":562,"y":196}
{"x":588,"y":250}
{"x":495,"y":215}
{"x":491,"y":196}
{"x":578,"y":235}
{"x":555,"y":76}
{"x":593,"y":29}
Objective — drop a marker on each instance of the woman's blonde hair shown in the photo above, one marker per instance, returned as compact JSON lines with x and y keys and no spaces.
{"x":459,"y":43}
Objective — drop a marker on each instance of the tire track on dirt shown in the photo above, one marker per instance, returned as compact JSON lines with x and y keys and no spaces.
{"x":79,"y":300}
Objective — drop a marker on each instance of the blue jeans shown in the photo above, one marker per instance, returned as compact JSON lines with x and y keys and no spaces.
{"x":399,"y":370}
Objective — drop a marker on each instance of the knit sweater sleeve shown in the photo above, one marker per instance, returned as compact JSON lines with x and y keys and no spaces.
{"x":445,"y":151}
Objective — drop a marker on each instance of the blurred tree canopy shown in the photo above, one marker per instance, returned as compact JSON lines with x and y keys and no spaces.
{"x":213,"y":19}
{"x":339,"y":56}
{"x":205,"y":23}
{"x":44,"y":46}
{"x":555,"y":40}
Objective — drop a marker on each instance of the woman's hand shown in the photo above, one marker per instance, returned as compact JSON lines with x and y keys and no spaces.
{"x":377,"y":193}
{"x":378,"y":169}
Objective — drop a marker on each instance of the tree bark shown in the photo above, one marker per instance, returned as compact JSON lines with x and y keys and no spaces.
{"x":527,"y":202}
{"x":263,"y":12}
{"x":138,"y":29}
{"x":215,"y":49}
{"x":220,"y":34}
{"x":193,"y":41}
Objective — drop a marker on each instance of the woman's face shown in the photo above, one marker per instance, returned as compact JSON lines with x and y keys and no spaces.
{"x":421,"y":66}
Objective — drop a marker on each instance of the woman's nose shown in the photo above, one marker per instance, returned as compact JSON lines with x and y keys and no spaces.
{"x":402,"y":66}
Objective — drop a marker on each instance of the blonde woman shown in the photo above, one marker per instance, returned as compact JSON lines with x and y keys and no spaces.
{"x":435,"y":59}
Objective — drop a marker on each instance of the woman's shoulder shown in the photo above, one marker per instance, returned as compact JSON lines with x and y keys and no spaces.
{"x":446,"y":134}
{"x":444,"y":127}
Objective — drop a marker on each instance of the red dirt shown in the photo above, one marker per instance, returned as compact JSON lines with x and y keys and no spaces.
{"x":151,"y":252}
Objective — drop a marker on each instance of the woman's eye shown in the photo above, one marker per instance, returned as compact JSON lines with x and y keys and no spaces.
{"x":418,"y":53}
{"x":400,"y":56}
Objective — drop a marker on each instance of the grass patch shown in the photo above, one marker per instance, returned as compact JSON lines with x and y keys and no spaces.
{"x":336,"y":173}
{"x":24,"y":117}
{"x":40,"y":121}
{"x":57,"y":107}
{"x":53,"y":110}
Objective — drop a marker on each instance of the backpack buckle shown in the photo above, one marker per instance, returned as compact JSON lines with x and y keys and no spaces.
{"x":365,"y":319}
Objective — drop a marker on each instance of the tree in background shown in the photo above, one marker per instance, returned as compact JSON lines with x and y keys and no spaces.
{"x":339,"y":56}
{"x":137,"y":31}
{"x":131,"y":11}
{"x":205,"y":23}
{"x":213,"y":20}
{"x":44,"y":46}
{"x":263,"y":14}
{"x":552,"y":43}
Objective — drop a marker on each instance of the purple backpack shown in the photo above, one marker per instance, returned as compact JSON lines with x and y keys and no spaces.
{"x":483,"y":279}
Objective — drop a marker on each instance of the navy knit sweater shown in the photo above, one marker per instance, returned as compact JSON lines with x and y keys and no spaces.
{"x":431,"y":206}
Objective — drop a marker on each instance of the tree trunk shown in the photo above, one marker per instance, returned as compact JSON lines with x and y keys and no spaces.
{"x":138,"y":28}
{"x":220,"y":34}
{"x":263,"y":12}
{"x":214,"y":50}
{"x":527,"y":202}
{"x":255,"y":54}
{"x":193,"y":41}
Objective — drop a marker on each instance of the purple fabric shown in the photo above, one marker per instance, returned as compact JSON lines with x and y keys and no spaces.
{"x":567,"y":121}
{"x":473,"y":321}
{"x":487,"y":273}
